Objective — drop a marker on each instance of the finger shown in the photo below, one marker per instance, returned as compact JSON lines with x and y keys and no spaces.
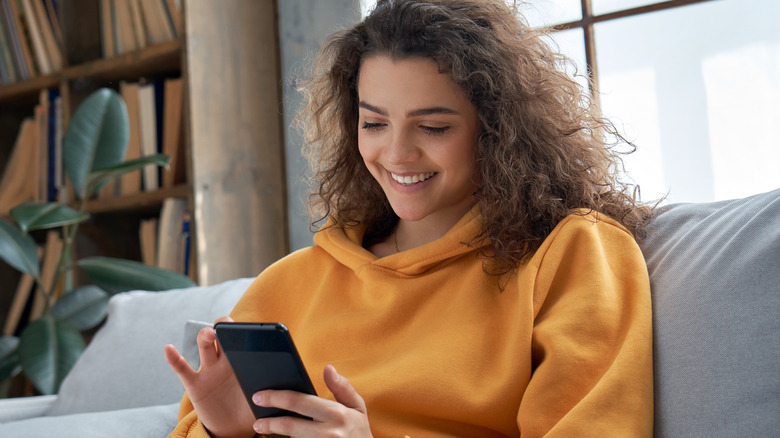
{"x":212,"y":337}
{"x":224,"y":319}
{"x":342,"y":390}
{"x":179,"y":365}
{"x":284,"y":426}
{"x":207,"y":349}
{"x":304,"y":404}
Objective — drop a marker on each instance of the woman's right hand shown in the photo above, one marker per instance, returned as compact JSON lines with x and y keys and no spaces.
{"x":213,"y":390}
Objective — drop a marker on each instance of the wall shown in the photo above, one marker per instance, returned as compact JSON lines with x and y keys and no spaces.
{"x":303,"y":25}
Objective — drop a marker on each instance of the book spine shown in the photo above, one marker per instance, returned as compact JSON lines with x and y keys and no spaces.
{"x":51,"y":180}
{"x":8,"y":61}
{"x":39,"y":48}
{"x":25,"y":46}
{"x":15,"y":40}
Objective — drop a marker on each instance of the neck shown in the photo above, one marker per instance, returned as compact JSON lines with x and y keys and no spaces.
{"x":411,"y":234}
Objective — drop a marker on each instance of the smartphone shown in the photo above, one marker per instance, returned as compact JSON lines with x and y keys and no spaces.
{"x":263,"y":356}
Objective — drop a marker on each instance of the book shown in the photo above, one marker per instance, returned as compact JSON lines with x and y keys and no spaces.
{"x":174,"y":14}
{"x":157,"y":24}
{"x":173,"y":144}
{"x":42,"y":120}
{"x":139,"y":29}
{"x":20,"y":37}
{"x":107,"y":29}
{"x":18,"y":183}
{"x":34,"y":30}
{"x":169,"y":237}
{"x":59,"y":175}
{"x":125,"y":33}
{"x":9,"y":178}
{"x":159,"y":119}
{"x":33,"y":176}
{"x":148,"y":124}
{"x":9,"y":71}
{"x":12,"y":39}
{"x":185,"y":244}
{"x":147,"y":234}
{"x":54,"y":158}
{"x":47,"y":35}
{"x":54,"y":21}
{"x":131,"y":182}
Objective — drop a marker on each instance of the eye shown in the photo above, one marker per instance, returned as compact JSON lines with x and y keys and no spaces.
{"x":372,"y":126}
{"x":431,"y":130}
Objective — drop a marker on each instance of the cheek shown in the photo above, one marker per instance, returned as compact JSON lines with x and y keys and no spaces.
{"x":461,"y":156}
{"x":368,"y":153}
{"x":364,"y":149}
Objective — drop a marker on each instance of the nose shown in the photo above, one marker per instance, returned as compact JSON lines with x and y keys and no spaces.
{"x":402,"y":148}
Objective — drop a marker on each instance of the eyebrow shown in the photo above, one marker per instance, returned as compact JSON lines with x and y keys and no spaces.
{"x":413,"y":113}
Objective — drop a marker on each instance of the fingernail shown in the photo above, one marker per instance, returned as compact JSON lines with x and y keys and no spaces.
{"x":257,"y":398}
{"x":259,"y":426}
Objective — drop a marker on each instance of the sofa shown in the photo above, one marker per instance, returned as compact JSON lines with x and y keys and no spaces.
{"x":715,"y":278}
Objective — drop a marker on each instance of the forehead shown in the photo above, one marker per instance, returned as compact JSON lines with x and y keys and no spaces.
{"x":411,"y":79}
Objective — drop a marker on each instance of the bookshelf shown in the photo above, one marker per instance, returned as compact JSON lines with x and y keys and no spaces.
{"x":227,"y":56}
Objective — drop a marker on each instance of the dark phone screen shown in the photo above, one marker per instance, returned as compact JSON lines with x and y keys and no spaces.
{"x":263,"y":357}
{"x":267,"y":370}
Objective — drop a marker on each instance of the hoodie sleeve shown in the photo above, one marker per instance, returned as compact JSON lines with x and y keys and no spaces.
{"x":592,"y":336}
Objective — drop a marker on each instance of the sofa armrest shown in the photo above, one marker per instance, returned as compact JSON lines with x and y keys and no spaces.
{"x":13,"y":409}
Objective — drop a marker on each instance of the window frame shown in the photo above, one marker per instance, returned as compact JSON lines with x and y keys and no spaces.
{"x":589,"y":20}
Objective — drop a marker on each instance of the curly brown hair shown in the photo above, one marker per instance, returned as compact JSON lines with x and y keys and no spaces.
{"x":543,"y":151}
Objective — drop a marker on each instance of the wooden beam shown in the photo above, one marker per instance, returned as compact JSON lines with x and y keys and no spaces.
{"x":235,"y":132}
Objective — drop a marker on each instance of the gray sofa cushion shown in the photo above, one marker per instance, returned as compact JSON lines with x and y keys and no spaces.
{"x":715,"y":278}
{"x":150,"y":421}
{"x":19,"y":408}
{"x":124,"y":366}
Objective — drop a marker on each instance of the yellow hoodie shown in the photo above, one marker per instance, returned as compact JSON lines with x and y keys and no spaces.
{"x":436,"y":349}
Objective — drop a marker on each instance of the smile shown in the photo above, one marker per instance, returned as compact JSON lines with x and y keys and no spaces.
{"x":410,"y":180}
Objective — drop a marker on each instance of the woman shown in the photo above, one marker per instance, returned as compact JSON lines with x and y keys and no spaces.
{"x":477,"y":274}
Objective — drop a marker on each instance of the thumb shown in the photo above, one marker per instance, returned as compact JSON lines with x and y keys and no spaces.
{"x":342,"y":390}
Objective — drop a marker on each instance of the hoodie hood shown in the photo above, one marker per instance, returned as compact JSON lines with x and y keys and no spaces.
{"x":345,"y":245}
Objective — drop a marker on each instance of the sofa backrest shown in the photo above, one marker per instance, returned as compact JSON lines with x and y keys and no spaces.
{"x":715,"y":279}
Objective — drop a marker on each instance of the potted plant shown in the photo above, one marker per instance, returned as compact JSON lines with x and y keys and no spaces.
{"x":94,"y":148}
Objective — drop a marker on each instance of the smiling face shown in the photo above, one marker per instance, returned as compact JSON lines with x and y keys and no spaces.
{"x":417,"y":135}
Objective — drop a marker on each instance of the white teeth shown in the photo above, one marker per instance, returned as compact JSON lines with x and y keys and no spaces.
{"x":409,"y":180}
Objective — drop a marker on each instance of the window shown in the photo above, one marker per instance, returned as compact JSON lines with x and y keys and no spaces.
{"x":695,"y":84}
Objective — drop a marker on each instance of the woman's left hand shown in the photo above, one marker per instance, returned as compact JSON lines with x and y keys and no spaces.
{"x":346,"y":417}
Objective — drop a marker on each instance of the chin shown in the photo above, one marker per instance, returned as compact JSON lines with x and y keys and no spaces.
{"x":409,"y":214}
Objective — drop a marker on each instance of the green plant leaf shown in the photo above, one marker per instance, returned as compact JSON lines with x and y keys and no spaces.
{"x":9,"y":357}
{"x":96,"y":137}
{"x":84,"y":307}
{"x":48,"y":349}
{"x":18,"y":249}
{"x":43,"y":215}
{"x":100,"y":177}
{"x":115,"y":275}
